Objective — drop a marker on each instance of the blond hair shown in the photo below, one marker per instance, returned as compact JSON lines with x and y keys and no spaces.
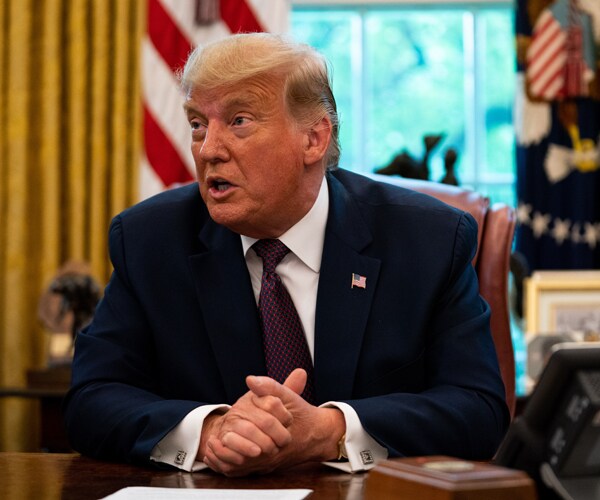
{"x":304,"y":72}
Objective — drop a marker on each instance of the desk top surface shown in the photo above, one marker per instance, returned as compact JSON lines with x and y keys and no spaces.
{"x":71,"y":477}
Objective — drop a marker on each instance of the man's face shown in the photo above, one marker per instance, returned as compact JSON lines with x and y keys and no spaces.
{"x":250,"y":160}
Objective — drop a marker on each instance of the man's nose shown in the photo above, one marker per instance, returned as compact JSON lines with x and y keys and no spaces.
{"x":213,"y":147}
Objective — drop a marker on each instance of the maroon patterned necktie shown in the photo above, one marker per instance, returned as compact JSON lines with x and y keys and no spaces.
{"x":283,"y":338}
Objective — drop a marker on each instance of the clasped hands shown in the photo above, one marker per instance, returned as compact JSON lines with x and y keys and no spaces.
{"x":270,"y":427}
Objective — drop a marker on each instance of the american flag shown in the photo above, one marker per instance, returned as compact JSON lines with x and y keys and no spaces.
{"x":546,"y":57}
{"x":359,"y":281}
{"x":174,"y":28}
{"x":555,"y":59}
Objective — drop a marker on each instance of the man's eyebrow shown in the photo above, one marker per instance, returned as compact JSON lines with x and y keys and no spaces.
{"x":189,"y":109}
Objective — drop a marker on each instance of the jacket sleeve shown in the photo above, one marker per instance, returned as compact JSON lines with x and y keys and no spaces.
{"x":460,"y":411}
{"x":113,"y":410}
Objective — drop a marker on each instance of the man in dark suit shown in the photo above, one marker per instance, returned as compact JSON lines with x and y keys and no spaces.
{"x":177,"y":366}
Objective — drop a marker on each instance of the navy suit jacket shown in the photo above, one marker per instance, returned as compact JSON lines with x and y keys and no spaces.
{"x":178,"y":326}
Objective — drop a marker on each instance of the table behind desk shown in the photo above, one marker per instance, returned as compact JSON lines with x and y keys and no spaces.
{"x":71,"y":477}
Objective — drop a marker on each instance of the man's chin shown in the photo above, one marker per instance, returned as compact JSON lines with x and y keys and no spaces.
{"x":224,"y":216}
{"x":242,"y":225}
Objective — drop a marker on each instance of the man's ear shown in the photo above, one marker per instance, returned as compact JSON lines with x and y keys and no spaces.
{"x":316,"y":141}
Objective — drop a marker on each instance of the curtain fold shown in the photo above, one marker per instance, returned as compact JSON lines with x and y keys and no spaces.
{"x":69,"y":154}
{"x":15,"y":219}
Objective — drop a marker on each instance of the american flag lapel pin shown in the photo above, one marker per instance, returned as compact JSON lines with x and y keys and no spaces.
{"x":358,"y":281}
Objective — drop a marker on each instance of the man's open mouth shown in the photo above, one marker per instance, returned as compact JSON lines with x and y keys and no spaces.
{"x":220,"y":185}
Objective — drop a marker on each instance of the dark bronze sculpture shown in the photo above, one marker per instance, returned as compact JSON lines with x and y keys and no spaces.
{"x":404,"y":165}
{"x":68,"y":305}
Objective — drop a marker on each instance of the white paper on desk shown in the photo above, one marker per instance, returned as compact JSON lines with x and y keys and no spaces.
{"x":150,"y":493}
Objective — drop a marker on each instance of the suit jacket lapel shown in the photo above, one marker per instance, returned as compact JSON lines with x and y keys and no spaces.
{"x":342,"y":311}
{"x":228,"y":306}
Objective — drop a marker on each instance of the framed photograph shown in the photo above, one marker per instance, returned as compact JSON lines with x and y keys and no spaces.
{"x":563,"y":302}
{"x":560,"y":306}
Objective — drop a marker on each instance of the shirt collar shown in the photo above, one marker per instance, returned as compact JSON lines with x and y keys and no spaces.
{"x":305,"y":238}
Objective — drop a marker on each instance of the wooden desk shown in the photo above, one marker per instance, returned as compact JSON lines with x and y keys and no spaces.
{"x":71,"y":477}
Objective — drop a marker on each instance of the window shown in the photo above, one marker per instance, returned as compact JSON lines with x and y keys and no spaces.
{"x":404,"y":70}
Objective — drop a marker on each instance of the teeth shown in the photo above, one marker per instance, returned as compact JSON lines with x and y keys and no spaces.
{"x":220,"y":184}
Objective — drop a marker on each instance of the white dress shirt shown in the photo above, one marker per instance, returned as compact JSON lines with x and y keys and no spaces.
{"x":299,"y":271}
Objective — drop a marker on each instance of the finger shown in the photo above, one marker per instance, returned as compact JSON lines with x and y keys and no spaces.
{"x":261,"y":386}
{"x":218,"y":459}
{"x":266,"y":386}
{"x":211,"y":460}
{"x":231,"y":470}
{"x":253,"y":443}
{"x":243,"y":446}
{"x":265,"y":426}
{"x":276,"y":428}
{"x":296,"y":381}
{"x":221,"y":454}
{"x":257,"y":425}
{"x":214,"y":463}
{"x":275,"y":407}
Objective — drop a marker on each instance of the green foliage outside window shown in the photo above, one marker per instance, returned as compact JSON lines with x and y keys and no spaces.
{"x":400,"y":73}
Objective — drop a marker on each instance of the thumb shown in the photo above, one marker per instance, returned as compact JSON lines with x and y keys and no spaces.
{"x":266,"y":386}
{"x":296,"y":381}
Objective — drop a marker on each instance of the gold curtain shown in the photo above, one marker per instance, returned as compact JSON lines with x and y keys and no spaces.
{"x":70,"y":139}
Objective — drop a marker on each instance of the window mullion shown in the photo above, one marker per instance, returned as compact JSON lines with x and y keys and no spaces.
{"x":469,"y":96}
{"x":479,"y":99}
{"x":359,"y":85}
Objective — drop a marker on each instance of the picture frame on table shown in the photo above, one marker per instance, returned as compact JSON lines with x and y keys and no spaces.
{"x":560,"y":306}
{"x":558,"y":302}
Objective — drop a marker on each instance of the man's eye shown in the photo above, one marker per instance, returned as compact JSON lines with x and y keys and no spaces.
{"x":198,"y":128}
{"x":240,"y":120}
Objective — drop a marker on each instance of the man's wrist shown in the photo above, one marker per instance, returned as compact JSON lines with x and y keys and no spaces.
{"x":334,"y":433}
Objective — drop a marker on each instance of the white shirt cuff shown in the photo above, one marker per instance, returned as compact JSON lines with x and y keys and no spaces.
{"x":180,"y":446}
{"x":362,"y":450}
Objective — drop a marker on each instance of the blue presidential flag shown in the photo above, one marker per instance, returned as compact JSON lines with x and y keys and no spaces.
{"x":557,"y":120}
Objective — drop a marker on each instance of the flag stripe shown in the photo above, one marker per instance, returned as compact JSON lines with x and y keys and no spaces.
{"x":551,"y":83}
{"x":169,"y":41}
{"x":542,"y":36}
{"x":163,"y":157}
{"x":164,"y":100}
{"x":551,"y":50}
{"x":549,"y":71}
{"x":239,"y":17}
{"x":546,"y":58}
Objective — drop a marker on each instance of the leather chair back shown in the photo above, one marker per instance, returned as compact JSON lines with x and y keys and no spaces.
{"x":496,"y":228}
